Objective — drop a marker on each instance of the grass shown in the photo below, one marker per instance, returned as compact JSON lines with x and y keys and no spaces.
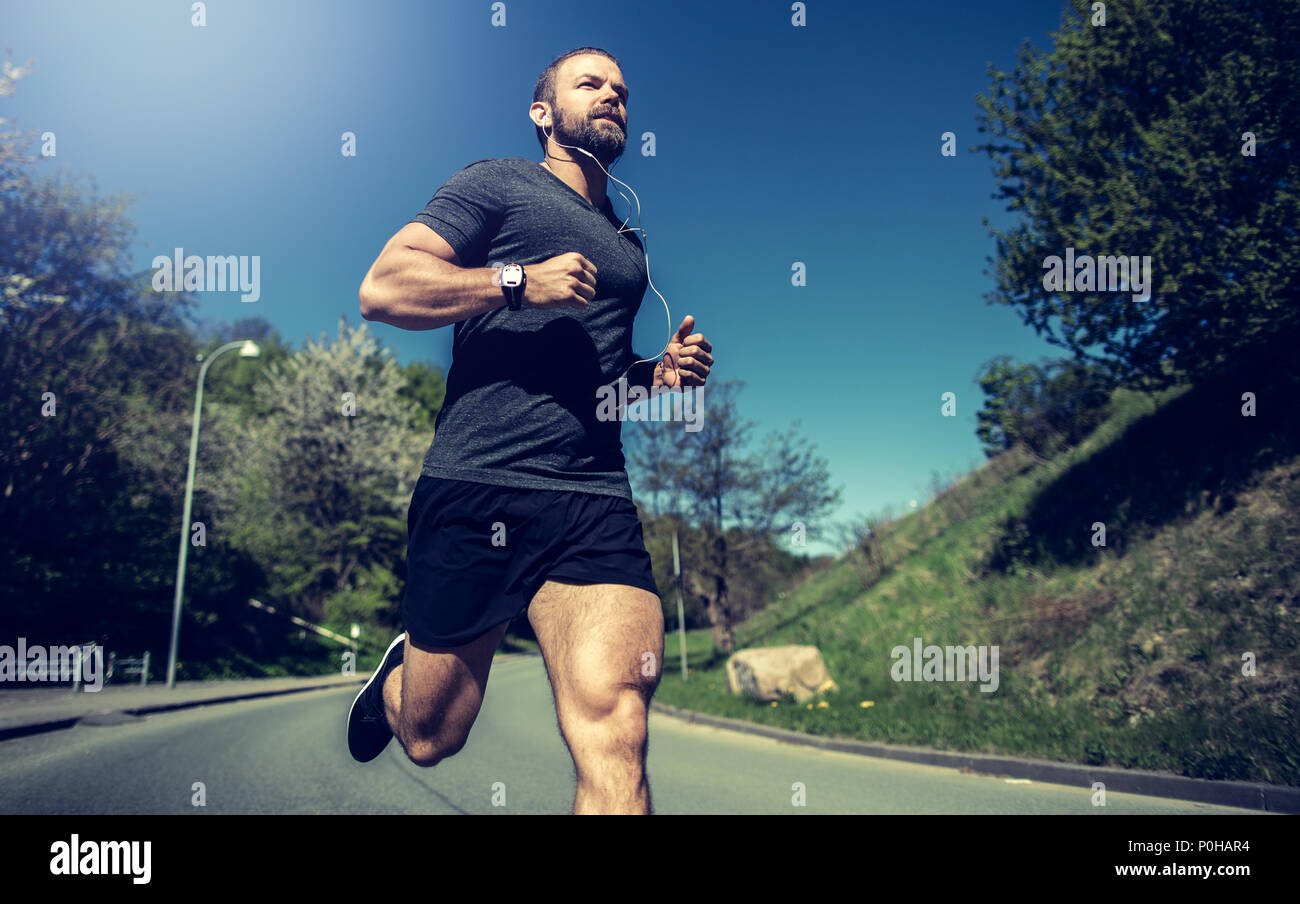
{"x":1126,"y":655}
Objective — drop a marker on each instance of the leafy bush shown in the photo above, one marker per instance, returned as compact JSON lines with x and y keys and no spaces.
{"x":1044,"y":407}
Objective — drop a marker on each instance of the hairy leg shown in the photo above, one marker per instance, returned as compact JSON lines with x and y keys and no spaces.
{"x":603,"y":648}
{"x":434,"y":696}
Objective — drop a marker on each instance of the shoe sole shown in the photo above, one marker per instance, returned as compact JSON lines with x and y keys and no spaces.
{"x":401,"y":639}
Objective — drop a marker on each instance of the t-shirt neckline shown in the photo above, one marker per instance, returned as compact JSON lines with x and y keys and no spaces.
{"x":572,"y":191}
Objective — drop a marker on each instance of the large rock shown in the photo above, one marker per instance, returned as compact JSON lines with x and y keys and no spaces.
{"x":768,"y":673}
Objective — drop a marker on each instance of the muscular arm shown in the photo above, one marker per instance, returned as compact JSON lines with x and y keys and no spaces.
{"x":417,"y":283}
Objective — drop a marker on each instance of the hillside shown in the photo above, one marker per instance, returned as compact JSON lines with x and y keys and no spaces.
{"x":1129,"y":655}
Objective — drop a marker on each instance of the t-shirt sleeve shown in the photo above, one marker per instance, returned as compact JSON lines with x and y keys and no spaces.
{"x":466,"y":210}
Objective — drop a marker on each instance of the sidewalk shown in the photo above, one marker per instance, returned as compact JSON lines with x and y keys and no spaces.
{"x":32,"y":708}
{"x":28,"y":709}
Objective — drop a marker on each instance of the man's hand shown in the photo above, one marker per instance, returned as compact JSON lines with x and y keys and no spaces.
{"x":687,"y":359}
{"x":567,"y":280}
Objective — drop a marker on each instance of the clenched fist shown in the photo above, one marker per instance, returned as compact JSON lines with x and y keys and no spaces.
{"x":567,"y":280}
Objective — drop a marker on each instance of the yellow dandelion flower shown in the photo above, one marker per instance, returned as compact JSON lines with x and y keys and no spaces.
{"x":867,"y":704}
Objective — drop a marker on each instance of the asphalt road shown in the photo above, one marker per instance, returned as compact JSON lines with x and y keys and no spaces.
{"x":288,"y":755}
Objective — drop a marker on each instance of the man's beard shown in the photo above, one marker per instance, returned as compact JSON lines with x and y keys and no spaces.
{"x":604,"y":141}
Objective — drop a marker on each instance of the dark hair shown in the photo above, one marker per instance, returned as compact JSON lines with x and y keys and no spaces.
{"x":545,"y":88}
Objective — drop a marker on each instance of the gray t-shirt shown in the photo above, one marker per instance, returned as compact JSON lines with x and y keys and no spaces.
{"x":522,"y":389}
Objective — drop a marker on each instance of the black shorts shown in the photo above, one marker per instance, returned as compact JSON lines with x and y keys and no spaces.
{"x":477,"y":553}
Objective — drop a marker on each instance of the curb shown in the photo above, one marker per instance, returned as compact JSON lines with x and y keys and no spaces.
{"x":32,"y":728}
{"x":230,"y":698}
{"x":1247,"y":795}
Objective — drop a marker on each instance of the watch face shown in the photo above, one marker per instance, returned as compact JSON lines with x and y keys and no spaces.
{"x":512,"y":275}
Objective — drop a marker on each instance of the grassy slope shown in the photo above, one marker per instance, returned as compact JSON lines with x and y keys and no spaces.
{"x":1128,"y":655}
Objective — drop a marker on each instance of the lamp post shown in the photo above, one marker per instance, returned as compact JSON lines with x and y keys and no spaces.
{"x":681,"y":615}
{"x":247,"y":349}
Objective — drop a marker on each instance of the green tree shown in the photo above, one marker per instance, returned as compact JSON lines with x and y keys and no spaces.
{"x":13,"y":142}
{"x":86,"y":533}
{"x":239,"y":376}
{"x":737,"y":503}
{"x":1042,"y":406}
{"x":425,"y":389}
{"x":1127,"y":138}
{"x":320,"y":485}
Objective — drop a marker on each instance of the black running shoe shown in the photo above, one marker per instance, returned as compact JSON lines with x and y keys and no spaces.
{"x":368,"y":729}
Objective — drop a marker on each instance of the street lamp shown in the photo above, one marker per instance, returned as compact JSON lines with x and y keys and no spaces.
{"x":247,"y":349}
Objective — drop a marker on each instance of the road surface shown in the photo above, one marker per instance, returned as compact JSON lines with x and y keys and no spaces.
{"x":288,"y":755}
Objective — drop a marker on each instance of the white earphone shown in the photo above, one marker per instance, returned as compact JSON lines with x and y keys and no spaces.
{"x":644,"y":246}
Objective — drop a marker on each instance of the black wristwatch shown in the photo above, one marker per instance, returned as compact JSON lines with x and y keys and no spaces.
{"x":513,"y":280}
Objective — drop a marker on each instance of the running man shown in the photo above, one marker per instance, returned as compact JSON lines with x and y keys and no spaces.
{"x":523,"y":501}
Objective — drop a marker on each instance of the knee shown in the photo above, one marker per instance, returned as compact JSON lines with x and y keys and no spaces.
{"x":429,"y":751}
{"x":618,"y":696}
{"x":617,"y":718}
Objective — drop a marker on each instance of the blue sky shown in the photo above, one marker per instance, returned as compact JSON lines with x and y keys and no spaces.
{"x":775,"y":144}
